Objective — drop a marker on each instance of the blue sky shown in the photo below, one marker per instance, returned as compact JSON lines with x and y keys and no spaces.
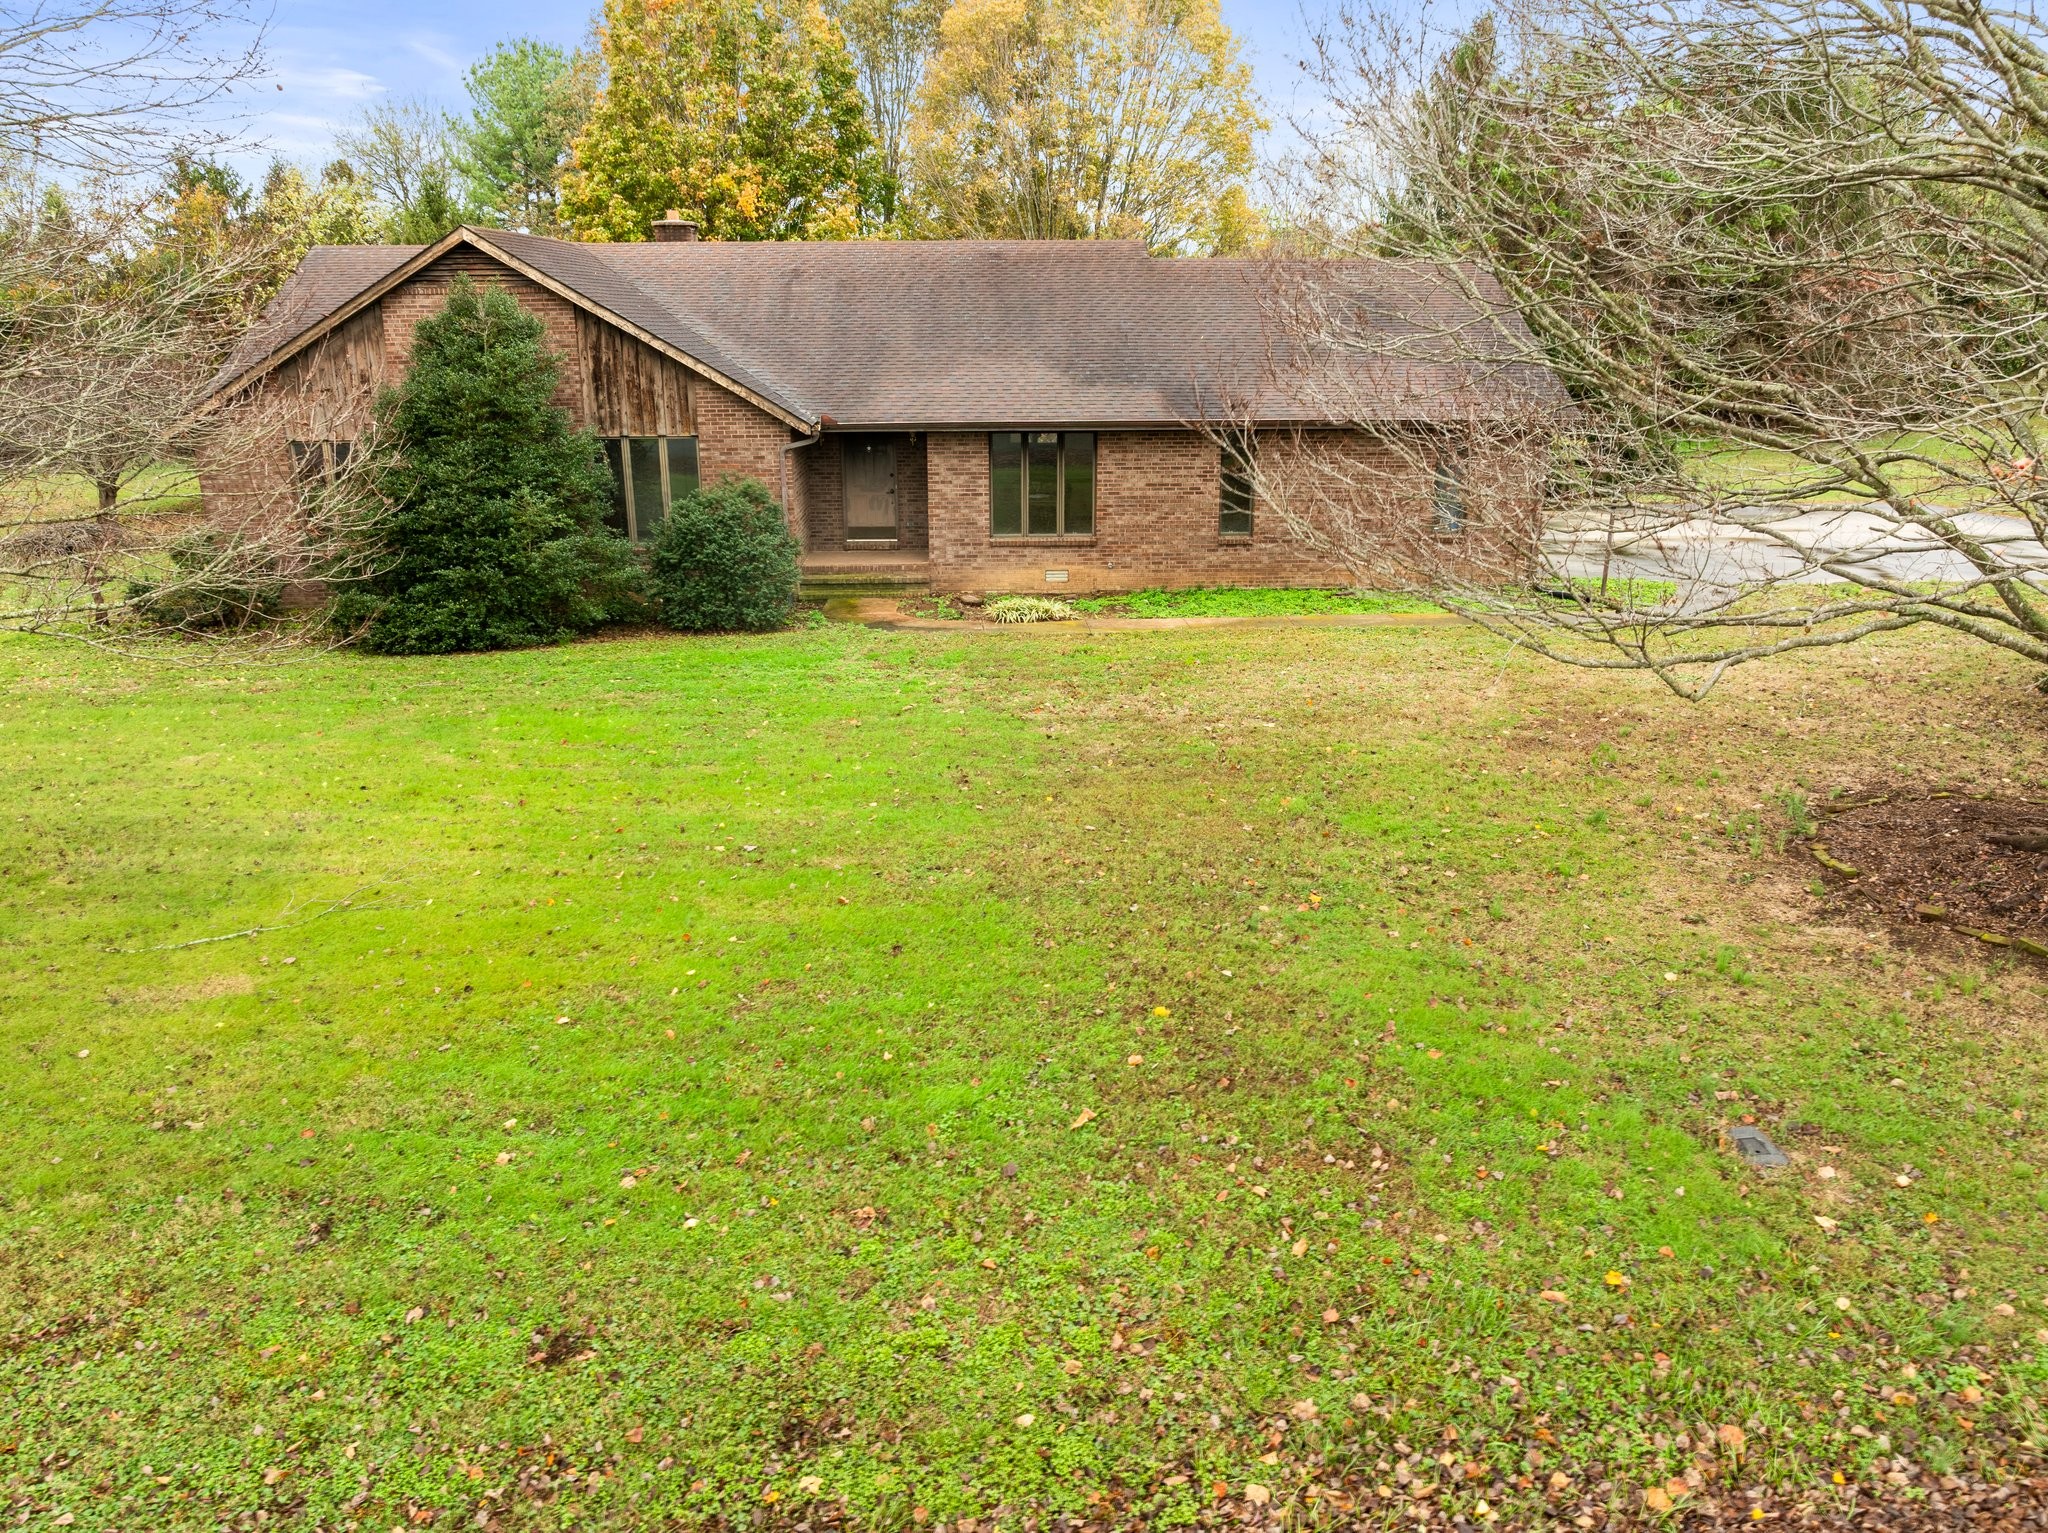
{"x":334,"y":57}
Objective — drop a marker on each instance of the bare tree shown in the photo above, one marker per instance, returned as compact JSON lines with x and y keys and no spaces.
{"x":116,"y":86}
{"x":129,"y":280}
{"x":107,"y":356}
{"x":1788,"y":257}
{"x":891,"y":42}
{"x":405,"y":153}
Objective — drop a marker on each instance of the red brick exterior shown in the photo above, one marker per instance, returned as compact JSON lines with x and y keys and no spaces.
{"x":1157,"y":523}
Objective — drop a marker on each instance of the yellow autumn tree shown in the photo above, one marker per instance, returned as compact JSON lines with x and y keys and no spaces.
{"x":1085,"y":119}
{"x":748,"y":113}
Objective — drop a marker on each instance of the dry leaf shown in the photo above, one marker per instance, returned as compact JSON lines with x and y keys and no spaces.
{"x":1087,"y":1117}
{"x":1257,"y":1495}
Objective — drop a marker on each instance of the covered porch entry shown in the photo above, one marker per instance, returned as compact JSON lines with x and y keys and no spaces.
{"x":864,"y":493}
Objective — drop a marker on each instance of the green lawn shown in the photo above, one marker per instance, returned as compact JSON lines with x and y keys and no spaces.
{"x":978,"y":1074}
{"x":1233,"y":601}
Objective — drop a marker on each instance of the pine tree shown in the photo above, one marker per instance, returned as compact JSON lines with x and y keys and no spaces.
{"x":495,"y":537}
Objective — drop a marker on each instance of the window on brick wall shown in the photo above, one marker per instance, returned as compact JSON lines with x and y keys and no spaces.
{"x":649,"y":474}
{"x":1447,"y":494}
{"x":1041,"y":483}
{"x":1235,"y":517}
{"x":318,"y":463}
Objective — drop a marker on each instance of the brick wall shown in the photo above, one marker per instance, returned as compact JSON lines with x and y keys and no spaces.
{"x":821,"y":470}
{"x":405,"y":306}
{"x":736,"y":439}
{"x":1157,"y":509}
{"x":1158,"y":504}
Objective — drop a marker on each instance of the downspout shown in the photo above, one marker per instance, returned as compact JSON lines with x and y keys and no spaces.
{"x":812,"y":440}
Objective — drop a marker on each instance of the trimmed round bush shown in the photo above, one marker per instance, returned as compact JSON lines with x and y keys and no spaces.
{"x":724,"y":561}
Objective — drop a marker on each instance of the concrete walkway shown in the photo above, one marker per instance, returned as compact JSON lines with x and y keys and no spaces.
{"x":886,"y":612}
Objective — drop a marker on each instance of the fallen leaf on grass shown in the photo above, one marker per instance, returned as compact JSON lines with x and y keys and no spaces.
{"x":1257,"y":1495}
{"x":1552,"y":1296}
{"x":1087,"y":1117}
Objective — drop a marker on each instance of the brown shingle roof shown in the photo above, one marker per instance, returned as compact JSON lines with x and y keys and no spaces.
{"x":328,"y":277}
{"x":989,"y":333}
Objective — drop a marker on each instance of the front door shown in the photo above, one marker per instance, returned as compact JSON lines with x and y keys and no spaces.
{"x":870,"y":491}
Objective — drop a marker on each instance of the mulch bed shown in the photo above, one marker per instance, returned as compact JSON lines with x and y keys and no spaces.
{"x":1970,"y":862}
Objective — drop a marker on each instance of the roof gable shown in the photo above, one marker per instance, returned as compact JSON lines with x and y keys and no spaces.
{"x":334,"y":283}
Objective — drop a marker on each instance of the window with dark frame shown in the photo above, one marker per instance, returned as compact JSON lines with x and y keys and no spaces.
{"x":1235,"y":516}
{"x":1447,"y":495}
{"x":1041,"y":483}
{"x":318,"y":463}
{"x":649,"y":474}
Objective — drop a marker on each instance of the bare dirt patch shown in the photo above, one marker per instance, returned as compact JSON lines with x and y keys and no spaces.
{"x":1920,"y":859}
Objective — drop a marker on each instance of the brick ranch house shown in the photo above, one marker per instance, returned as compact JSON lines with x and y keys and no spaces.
{"x":958,"y":416}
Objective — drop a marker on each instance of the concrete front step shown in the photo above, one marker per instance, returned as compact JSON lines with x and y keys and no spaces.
{"x":864,"y":573}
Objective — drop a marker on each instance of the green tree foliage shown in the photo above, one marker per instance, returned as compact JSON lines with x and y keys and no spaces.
{"x":528,"y":102}
{"x":1086,"y":119}
{"x":724,"y":561}
{"x":207,"y":208}
{"x":495,"y":535}
{"x":750,"y":116}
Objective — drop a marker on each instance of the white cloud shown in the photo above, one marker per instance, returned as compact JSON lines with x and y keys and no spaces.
{"x":436,"y":49}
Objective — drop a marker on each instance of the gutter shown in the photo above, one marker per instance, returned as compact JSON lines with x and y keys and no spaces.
{"x":817,"y":435}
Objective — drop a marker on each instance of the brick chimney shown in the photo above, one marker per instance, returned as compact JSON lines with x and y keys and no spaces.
{"x":675,"y":229}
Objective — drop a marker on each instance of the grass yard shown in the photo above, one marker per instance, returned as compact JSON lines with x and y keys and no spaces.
{"x":1234,"y":601}
{"x":918,"y":1077}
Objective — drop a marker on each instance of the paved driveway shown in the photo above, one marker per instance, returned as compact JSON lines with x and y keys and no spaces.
{"x":1814,"y":546}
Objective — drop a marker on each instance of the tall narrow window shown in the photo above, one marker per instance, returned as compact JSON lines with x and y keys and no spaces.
{"x":1235,"y":519}
{"x":1077,"y":483}
{"x":649,"y":474}
{"x":614,"y":457}
{"x":1447,"y":495}
{"x":1041,"y":483}
{"x":1006,"y":483}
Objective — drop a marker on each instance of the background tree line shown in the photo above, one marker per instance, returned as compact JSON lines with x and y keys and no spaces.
{"x":796,"y":119}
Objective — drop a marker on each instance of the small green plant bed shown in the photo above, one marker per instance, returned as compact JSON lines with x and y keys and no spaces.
{"x":1030,"y":609}
{"x":1248,"y":601}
